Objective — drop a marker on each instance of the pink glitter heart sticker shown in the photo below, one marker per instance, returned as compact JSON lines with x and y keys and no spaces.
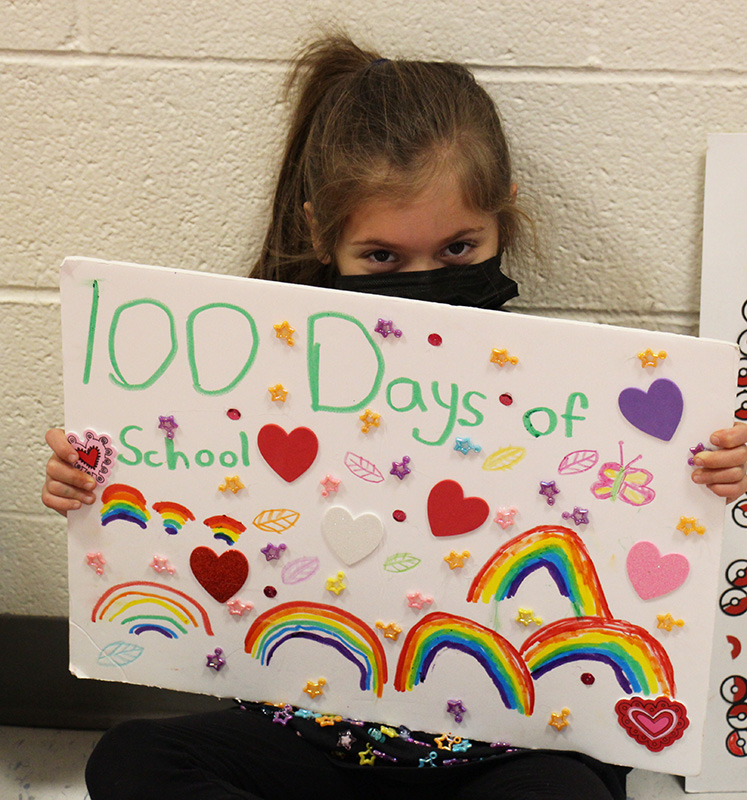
{"x":95,"y":454}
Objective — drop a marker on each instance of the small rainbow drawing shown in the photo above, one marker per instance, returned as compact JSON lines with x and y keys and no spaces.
{"x":141,"y":605}
{"x":324,"y":624}
{"x":123,"y":502}
{"x":554,"y":547}
{"x":226,"y":528}
{"x":497,"y":656}
{"x":640,"y":663}
{"x":174,"y":516}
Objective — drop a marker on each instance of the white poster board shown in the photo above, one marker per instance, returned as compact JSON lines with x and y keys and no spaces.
{"x":723,"y":313}
{"x":457,"y":520}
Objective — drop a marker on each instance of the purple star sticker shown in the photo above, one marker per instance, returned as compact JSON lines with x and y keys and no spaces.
{"x":215,"y":660}
{"x":385,"y":327}
{"x":456,"y":707}
{"x":699,"y":448}
{"x":282,"y":716}
{"x":580,"y":515}
{"x":168,"y":425}
{"x":400,"y":468}
{"x":549,"y":490}
{"x":273,"y":551}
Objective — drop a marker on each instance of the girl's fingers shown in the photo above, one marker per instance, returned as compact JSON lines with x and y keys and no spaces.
{"x":719,"y":459}
{"x":710,"y":477}
{"x":63,"y":473}
{"x":57,"y":440}
{"x":730,"y":437}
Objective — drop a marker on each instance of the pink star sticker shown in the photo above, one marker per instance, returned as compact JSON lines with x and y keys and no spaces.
{"x":505,"y":516}
{"x":329,"y":484}
{"x":416,"y":600}
{"x":237,"y":607}
{"x":161,"y":564}
{"x":96,"y":561}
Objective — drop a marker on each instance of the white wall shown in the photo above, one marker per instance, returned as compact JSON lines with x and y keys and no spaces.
{"x":147,"y":130}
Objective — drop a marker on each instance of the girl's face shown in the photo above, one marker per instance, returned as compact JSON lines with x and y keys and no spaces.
{"x":432,"y":230}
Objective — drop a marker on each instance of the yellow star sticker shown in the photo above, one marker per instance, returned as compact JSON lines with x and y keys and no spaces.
{"x":232,"y":484}
{"x":667,"y":622}
{"x":390,"y":732}
{"x":650,"y":359}
{"x":391,"y":631}
{"x":445,"y":741}
{"x":336,"y":584}
{"x":366,"y":756}
{"x":558,"y":719}
{"x":690,"y":525}
{"x":278,"y":392}
{"x":315,"y":689}
{"x":284,"y":331}
{"x":456,"y":560}
{"x":501,"y":357}
{"x":369,"y":419}
{"x":526,"y":617}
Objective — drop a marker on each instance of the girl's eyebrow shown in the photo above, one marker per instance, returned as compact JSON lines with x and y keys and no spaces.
{"x":384,"y":245}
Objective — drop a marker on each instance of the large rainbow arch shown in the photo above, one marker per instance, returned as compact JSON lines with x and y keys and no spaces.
{"x":135,"y":602}
{"x":555,"y":548}
{"x":641,"y":665}
{"x":500,"y":660}
{"x":327,"y":625}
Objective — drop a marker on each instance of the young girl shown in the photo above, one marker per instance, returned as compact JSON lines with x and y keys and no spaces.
{"x":396,"y":179}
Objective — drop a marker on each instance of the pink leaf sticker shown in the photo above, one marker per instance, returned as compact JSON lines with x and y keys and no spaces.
{"x":578,"y":461}
{"x":653,"y":574}
{"x":362,"y":468}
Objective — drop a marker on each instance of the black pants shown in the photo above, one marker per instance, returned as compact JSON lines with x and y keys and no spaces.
{"x":234,"y":754}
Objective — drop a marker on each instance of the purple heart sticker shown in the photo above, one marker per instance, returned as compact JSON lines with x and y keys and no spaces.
{"x":656,"y":412}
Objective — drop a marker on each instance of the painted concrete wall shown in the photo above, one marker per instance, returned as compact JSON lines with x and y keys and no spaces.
{"x":148,"y":130}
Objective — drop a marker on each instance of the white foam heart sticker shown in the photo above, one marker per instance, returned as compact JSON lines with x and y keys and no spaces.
{"x":351,"y":538}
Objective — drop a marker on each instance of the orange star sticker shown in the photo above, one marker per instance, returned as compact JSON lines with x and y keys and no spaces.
{"x":651,"y":359}
{"x":456,"y":560}
{"x":278,"y":392}
{"x":232,"y":484}
{"x":369,"y":420}
{"x":284,"y":331}
{"x":445,"y":741}
{"x":391,"y":631}
{"x":315,"y":689}
{"x":667,"y":622}
{"x":501,"y":357}
{"x":690,"y":525}
{"x":558,"y":719}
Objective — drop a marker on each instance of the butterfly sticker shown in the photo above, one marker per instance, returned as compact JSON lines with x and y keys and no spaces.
{"x":616,"y":480}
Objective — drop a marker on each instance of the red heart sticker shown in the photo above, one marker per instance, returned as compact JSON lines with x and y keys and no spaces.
{"x":289,"y":454}
{"x":450,"y":513}
{"x":655,"y":724}
{"x":89,"y":457}
{"x":220,"y":576}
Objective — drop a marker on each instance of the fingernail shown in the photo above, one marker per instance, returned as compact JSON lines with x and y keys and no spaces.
{"x":716,"y":440}
{"x":698,"y":461}
{"x":72,"y":458}
{"x":90,"y":484}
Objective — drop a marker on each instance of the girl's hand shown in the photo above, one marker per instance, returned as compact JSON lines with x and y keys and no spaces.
{"x":65,"y":487}
{"x":723,"y":470}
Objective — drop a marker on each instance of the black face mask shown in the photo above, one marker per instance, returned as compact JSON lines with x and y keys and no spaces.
{"x":475,"y":285}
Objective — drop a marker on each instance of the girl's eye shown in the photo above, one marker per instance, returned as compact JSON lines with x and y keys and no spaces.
{"x":381,"y":256}
{"x":457,"y":248}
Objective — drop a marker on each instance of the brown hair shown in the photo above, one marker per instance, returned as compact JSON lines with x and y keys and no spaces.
{"x":364,"y":126}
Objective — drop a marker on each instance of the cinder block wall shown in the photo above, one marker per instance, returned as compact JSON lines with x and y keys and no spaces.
{"x":148,"y":130}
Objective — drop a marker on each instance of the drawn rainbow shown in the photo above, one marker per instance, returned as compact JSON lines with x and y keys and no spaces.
{"x":330,"y":626}
{"x":498,"y":657}
{"x":133,"y":604}
{"x":226,"y":528}
{"x":174,"y":516}
{"x":561,"y":552}
{"x":123,"y":502}
{"x":640,"y":663}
